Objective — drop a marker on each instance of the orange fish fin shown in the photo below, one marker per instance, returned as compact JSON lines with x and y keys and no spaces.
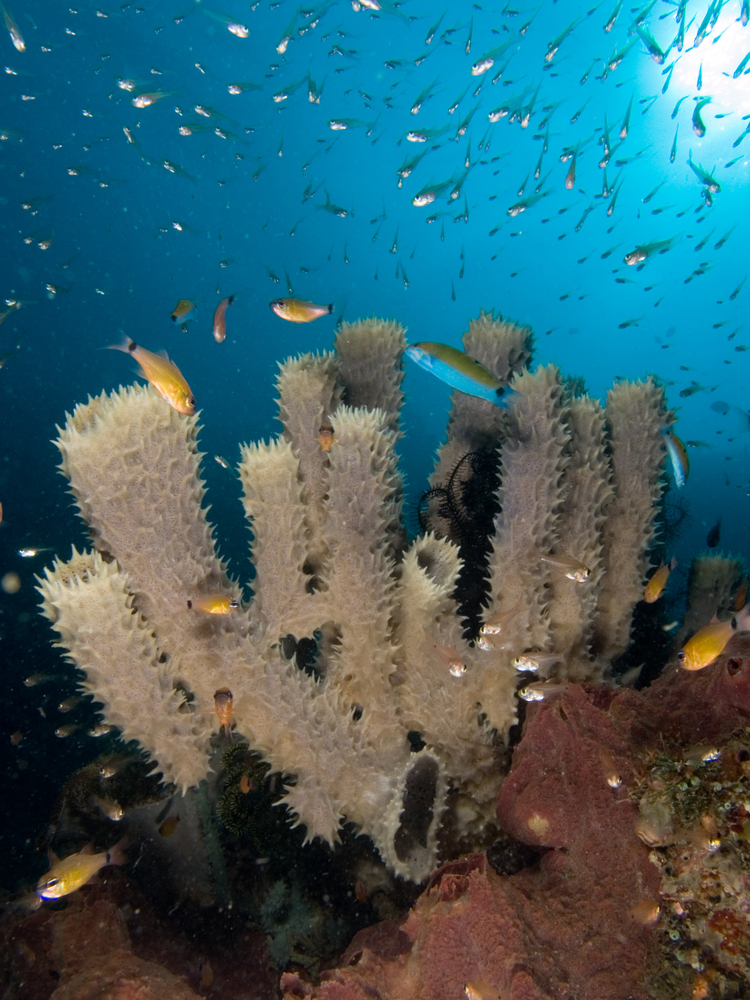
{"x":88,"y":849}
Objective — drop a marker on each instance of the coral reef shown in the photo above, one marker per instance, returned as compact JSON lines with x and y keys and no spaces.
{"x":602,"y":914}
{"x":380,"y":730}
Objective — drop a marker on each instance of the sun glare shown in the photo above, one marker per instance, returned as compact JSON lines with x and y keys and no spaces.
{"x":716,"y":59}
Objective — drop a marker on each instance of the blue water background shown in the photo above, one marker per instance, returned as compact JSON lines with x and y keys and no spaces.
{"x":120,"y":265}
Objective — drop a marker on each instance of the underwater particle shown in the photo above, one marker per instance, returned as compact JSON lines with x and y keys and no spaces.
{"x":11,"y":583}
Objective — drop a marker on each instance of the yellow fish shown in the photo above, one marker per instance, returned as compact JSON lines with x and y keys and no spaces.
{"x":223,"y":700}
{"x":213,"y":604}
{"x":297,"y":311}
{"x":76,"y":870}
{"x":183,"y":311}
{"x":708,"y":642}
{"x":163,"y":375}
{"x":657,"y":583}
{"x":325,"y":436}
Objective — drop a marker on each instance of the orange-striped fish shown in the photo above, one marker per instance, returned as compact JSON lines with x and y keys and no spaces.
{"x":297,"y":311}
{"x":163,"y":374}
{"x":220,"y":323}
{"x":657,"y":583}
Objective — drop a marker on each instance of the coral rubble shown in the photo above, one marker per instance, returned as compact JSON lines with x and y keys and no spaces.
{"x":333,"y":570}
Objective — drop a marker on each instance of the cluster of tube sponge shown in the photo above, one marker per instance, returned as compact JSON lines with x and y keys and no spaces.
{"x":332,"y":563}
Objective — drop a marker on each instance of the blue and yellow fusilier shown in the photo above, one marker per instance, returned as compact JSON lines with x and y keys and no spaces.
{"x":458,"y":369}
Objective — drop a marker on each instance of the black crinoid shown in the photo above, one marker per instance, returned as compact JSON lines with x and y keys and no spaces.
{"x":464,"y":509}
{"x":674,"y":517}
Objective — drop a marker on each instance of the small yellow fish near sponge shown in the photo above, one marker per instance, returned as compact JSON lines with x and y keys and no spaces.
{"x":76,"y":870}
{"x":708,"y":642}
{"x":163,"y":374}
{"x":297,"y":311}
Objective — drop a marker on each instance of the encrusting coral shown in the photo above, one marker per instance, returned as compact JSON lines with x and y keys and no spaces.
{"x":332,"y":566}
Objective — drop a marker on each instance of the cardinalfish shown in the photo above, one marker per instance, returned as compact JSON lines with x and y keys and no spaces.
{"x":657,"y":583}
{"x":15,"y":35}
{"x":146,"y":100}
{"x":708,"y":642}
{"x":213,"y":604}
{"x":223,"y":700}
{"x":325,"y":437}
{"x":449,"y":656}
{"x":741,"y":596}
{"x":297,"y":311}
{"x":169,"y":825}
{"x":678,"y":458}
{"x":220,"y":323}
{"x":76,"y":870}
{"x":183,"y":311}
{"x":499,"y":624}
{"x":642,"y":253}
{"x":163,"y":374}
{"x":458,"y":370}
{"x":533,"y":662}
{"x":569,"y":567}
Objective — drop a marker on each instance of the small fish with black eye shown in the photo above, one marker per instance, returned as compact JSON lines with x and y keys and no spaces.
{"x":223,"y":701}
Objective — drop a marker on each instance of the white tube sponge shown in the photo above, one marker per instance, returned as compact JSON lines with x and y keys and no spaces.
{"x":454,"y":715}
{"x":363,"y":512}
{"x":475,"y":423}
{"x":91,"y":608}
{"x":273,"y":504}
{"x":534,"y":457}
{"x":369,"y":354}
{"x":133,"y":465}
{"x":587,"y":490}
{"x":308,"y":393}
{"x":712,"y":585}
{"x":636,"y":414}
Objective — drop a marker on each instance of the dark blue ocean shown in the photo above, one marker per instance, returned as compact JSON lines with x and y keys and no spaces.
{"x":101,"y":236}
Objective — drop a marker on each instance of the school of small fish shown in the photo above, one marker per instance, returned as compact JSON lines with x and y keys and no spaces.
{"x":592,"y":135}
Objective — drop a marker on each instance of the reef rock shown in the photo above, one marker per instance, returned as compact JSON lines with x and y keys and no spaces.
{"x":580,"y":922}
